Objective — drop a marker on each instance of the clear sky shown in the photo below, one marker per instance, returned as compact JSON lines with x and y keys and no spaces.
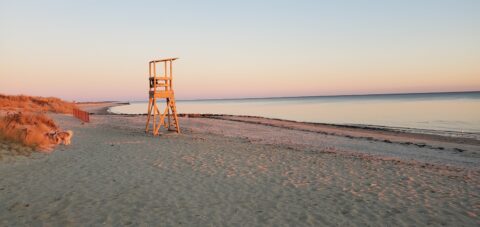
{"x":99,"y":50}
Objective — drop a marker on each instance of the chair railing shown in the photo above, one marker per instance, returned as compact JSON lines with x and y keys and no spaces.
{"x":82,"y":115}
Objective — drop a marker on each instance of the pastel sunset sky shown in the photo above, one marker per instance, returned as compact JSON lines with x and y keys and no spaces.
{"x":99,"y":50}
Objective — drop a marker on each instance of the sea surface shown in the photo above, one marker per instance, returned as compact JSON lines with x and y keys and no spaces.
{"x":445,"y":113}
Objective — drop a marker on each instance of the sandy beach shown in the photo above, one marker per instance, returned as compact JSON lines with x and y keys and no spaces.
{"x":248,"y":171}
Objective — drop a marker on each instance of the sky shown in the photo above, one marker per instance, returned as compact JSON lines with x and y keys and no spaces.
{"x":99,"y":50}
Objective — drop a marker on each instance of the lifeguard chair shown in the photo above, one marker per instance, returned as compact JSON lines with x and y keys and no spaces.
{"x":161,"y":88}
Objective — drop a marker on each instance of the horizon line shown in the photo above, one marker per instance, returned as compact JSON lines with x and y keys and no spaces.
{"x":313,"y":96}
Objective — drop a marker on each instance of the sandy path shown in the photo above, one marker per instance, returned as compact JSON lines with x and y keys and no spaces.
{"x":113,"y":174}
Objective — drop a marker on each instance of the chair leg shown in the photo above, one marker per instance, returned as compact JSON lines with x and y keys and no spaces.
{"x":148,"y":115}
{"x":169,"y":116}
{"x":165,"y":119}
{"x":175,"y":116}
{"x":155,"y":112}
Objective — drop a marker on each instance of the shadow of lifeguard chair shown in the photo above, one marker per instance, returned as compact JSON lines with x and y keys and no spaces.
{"x":161,"y":88}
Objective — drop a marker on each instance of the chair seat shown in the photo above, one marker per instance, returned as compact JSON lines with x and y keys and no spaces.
{"x":161,"y":94}
{"x":160,"y":78}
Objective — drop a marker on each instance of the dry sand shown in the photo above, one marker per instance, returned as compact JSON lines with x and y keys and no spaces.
{"x":241,"y":171}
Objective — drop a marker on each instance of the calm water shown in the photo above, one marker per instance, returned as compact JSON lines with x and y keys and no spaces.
{"x":456,"y":112}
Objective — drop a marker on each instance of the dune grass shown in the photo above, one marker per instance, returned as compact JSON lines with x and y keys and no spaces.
{"x":23,"y":121}
{"x":29,"y":129}
{"x":34,"y":104}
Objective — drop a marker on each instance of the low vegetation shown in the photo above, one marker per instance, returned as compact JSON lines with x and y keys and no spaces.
{"x":30,"y":129}
{"x":34,"y":104}
{"x":23,"y":120}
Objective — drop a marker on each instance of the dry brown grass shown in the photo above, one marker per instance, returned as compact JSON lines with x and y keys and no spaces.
{"x":34,"y":104}
{"x":29,"y":129}
{"x":23,"y":120}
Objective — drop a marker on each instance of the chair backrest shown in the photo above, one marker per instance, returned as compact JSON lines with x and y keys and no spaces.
{"x":161,"y":80}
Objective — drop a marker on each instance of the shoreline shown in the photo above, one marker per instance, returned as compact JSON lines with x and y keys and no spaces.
{"x":228,"y":172}
{"x":100,"y":108}
{"x":362,"y":134}
{"x":473,"y":138}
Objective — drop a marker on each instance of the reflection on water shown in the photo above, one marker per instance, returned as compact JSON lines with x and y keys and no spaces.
{"x":444,"y":111}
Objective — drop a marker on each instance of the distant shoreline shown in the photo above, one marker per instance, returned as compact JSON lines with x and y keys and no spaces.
{"x":333,"y":96}
{"x":380,"y":136}
{"x":396,"y":129}
{"x":275,"y":122}
{"x":100,"y":108}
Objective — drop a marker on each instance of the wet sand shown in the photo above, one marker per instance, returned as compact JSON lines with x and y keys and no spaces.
{"x":229,"y":170}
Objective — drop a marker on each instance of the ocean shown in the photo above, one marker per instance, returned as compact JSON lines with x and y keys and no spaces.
{"x":439,"y":113}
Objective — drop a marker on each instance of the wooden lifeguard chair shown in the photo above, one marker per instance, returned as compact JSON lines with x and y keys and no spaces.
{"x":161,"y":88}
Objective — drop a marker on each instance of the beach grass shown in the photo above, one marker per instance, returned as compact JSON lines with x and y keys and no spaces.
{"x":24,"y":120}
